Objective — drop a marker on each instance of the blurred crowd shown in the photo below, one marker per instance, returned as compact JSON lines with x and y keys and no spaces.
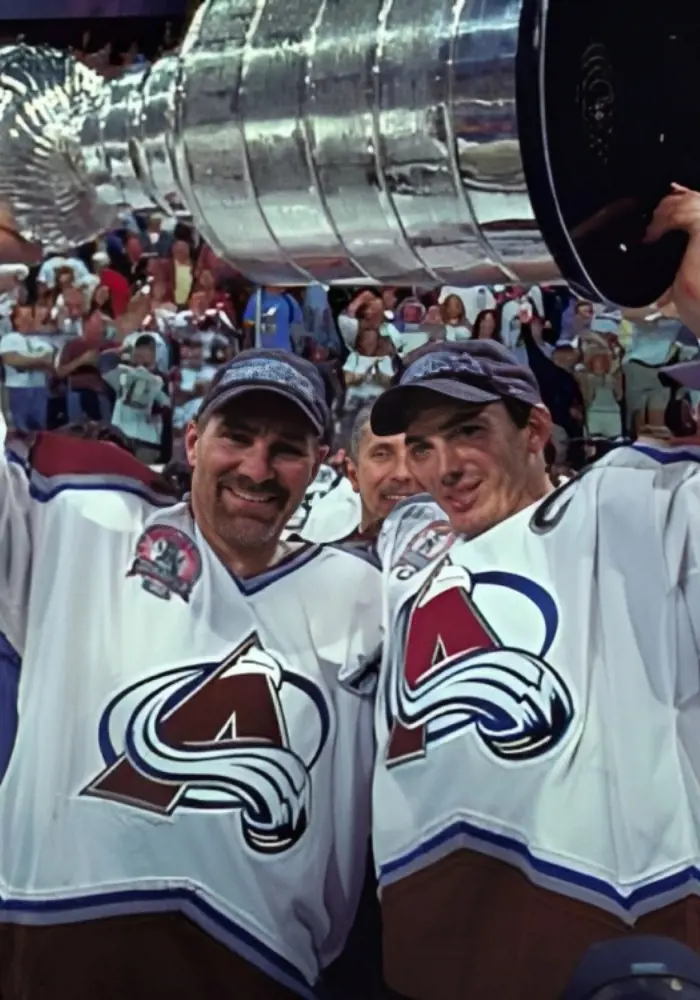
{"x":129,"y":333}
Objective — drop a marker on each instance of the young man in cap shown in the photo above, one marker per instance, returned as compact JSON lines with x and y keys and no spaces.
{"x":536,"y":786}
{"x":186,"y":809}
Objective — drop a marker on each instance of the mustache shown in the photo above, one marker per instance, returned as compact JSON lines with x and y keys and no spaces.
{"x":268,"y":488}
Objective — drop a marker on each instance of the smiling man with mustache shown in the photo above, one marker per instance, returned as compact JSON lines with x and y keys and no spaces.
{"x":208,"y":788}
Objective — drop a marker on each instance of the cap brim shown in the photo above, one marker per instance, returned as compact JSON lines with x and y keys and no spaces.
{"x":235,"y":391}
{"x":686,"y":374}
{"x":391,"y":411}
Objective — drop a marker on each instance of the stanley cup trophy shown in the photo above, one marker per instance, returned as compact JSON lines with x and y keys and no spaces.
{"x":414,"y":142}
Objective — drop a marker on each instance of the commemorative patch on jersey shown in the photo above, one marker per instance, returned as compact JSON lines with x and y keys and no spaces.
{"x":430,"y":543}
{"x":168,"y":561}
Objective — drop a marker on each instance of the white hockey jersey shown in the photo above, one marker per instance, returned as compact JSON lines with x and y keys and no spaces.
{"x":188,"y":740}
{"x":330,"y":511}
{"x":539,"y":700}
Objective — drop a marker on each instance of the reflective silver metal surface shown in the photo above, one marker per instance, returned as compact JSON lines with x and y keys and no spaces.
{"x":356,"y":142}
{"x":44,"y":98}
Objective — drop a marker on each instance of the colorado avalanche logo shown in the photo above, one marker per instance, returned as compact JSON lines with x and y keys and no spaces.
{"x":214,"y":737}
{"x":456,"y":674}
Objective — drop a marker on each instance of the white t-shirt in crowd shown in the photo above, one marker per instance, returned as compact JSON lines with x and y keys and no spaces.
{"x":371,"y":370}
{"x":475,"y":300}
{"x":138,"y":391}
{"x":162,"y":349}
{"x":189,"y":377}
{"x":28,"y":347}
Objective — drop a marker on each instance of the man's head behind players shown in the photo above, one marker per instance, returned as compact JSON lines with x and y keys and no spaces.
{"x":254,"y":448}
{"x":378,"y":470}
{"x":475,"y":431}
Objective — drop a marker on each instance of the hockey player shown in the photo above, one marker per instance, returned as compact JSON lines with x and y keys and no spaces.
{"x":537,"y":784}
{"x":185,"y":813}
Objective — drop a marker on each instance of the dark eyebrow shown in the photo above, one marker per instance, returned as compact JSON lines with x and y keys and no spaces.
{"x":463,"y":417}
{"x":412,"y":439}
{"x":241,"y":425}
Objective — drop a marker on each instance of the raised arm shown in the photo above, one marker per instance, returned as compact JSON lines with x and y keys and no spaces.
{"x":16,"y":544}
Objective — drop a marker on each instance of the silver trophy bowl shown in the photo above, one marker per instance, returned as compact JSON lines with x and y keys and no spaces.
{"x":413,"y":142}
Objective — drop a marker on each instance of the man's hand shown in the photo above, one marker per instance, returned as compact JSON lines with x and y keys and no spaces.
{"x":681,"y":210}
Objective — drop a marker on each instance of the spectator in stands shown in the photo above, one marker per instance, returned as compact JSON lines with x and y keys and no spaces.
{"x":11,"y":292}
{"x":79,"y":361}
{"x":454,"y":316}
{"x":651,"y":345}
{"x":118,"y":284}
{"x":47,"y":276}
{"x":189,"y":382}
{"x":101,"y":301}
{"x":318,"y":318}
{"x":154,"y":240}
{"x":374,"y":311}
{"x":69,"y":311}
{"x":182,"y":273}
{"x":487,"y":325}
{"x":601,"y":389}
{"x":132,"y":263}
{"x":559,"y":387}
{"x":142,"y":404}
{"x":278,"y":316}
{"x":369,"y":368}
{"x":378,"y":472}
{"x":28,"y":360}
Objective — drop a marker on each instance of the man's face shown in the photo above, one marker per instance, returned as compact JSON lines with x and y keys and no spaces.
{"x":374,"y":315}
{"x":144,"y":357}
{"x":472,"y":460}
{"x":198,"y":302}
{"x":181,"y":252}
{"x":380,"y":474}
{"x":24,"y":319}
{"x":73,"y":301}
{"x":252,"y":464}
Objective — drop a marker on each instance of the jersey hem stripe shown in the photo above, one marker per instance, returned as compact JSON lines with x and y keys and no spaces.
{"x":38,"y":912}
{"x":550,"y":875}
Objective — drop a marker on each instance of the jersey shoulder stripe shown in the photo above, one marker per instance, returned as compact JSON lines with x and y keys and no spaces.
{"x":57,"y":463}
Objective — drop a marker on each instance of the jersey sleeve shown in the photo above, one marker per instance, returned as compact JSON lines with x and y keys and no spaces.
{"x":16,"y":547}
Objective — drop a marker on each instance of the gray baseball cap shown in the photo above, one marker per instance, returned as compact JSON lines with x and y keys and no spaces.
{"x":473,"y":371}
{"x":274,"y":371}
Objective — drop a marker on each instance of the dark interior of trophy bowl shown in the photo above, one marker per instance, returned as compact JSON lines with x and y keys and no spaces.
{"x":608,"y":118}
